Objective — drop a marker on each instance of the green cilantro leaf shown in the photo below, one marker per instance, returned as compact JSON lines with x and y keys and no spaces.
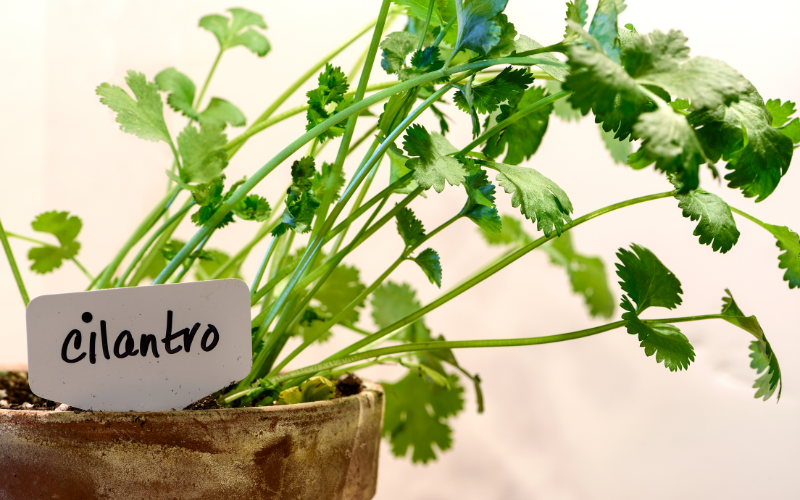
{"x":562,"y":107}
{"x":604,"y":26}
{"x":65,"y":228}
{"x":506,"y":86}
{"x":524,"y":136}
{"x":301,"y":201}
{"x":792,"y":131}
{"x":480,"y":207}
{"x":620,"y":150}
{"x":789,"y":243}
{"x":716,"y":227}
{"x":210,"y":197}
{"x":525,"y":44}
{"x":478,"y":28}
{"x":424,"y":61}
{"x":331,"y":90}
{"x":339,"y":290}
{"x":253,"y":207}
{"x":538,"y":198}
{"x":419,"y":10}
{"x":416,"y":415}
{"x":706,"y":82}
{"x":410,"y":228}
{"x":210,"y":262}
{"x":664,"y":340}
{"x":231,"y":32}
{"x":508,"y":34}
{"x":398,"y":169}
{"x":219,"y":112}
{"x":428,"y":261}
{"x":763,"y":357}
{"x":432,"y":165}
{"x":313,"y":389}
{"x":577,"y":12}
{"x":586,"y":274}
{"x":392,"y":302}
{"x":202,"y":153}
{"x":396,"y":48}
{"x":646,"y":280}
{"x":669,"y":142}
{"x":511,"y":232}
{"x":322,"y":178}
{"x":781,"y":113}
{"x":144,"y":116}
{"x":758,"y":154}
{"x":181,"y":91}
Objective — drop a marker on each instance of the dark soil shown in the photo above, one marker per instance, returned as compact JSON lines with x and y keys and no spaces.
{"x":15,"y":394}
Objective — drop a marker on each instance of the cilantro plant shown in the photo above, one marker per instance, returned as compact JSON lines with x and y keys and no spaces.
{"x":657,"y":107}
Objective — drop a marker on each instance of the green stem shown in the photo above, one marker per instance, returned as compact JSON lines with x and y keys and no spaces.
{"x":425,"y":27}
{"x":137,"y":259}
{"x":190,"y":261}
{"x":263,"y":265}
{"x":292,"y":148}
{"x":512,"y":119}
{"x":155,"y":252}
{"x":50,"y":245}
{"x":14,"y":269}
{"x":208,"y":80}
{"x":743,"y":214}
{"x":472,"y":344}
{"x":137,"y":235}
{"x":487,"y":273}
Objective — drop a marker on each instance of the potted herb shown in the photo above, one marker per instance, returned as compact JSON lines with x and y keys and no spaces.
{"x":684,"y":112}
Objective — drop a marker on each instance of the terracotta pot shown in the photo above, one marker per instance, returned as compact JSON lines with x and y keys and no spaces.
{"x":323,"y":450}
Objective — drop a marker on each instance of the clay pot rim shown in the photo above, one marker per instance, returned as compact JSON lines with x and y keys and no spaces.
{"x":367,"y":386}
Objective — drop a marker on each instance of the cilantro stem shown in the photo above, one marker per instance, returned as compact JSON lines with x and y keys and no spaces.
{"x":487,"y":273}
{"x":137,"y":235}
{"x":155,"y":252}
{"x":301,"y":80}
{"x":177,"y":216}
{"x":425,"y":27}
{"x":208,"y":79}
{"x":512,"y":119}
{"x":263,"y":265}
{"x":191,"y":260}
{"x":291,"y":148}
{"x":14,"y":269}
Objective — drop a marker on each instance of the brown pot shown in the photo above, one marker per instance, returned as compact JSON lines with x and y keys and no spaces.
{"x":322,"y":450}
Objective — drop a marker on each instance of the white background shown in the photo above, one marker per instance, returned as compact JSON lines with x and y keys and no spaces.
{"x":591,"y":419}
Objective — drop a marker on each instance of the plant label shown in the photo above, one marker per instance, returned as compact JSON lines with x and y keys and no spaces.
{"x":146,"y":348}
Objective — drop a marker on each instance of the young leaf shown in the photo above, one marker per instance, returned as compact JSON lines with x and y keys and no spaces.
{"x":758,"y":154}
{"x":65,"y":228}
{"x":646,"y":280}
{"x":232,"y":33}
{"x":480,"y":207}
{"x":209,"y":197}
{"x":410,"y":228}
{"x":432,"y":165}
{"x":428,"y":261}
{"x":332,"y":87}
{"x":586,"y":274}
{"x":219,"y":112}
{"x":619,"y":150}
{"x":604,"y":26}
{"x":144,"y":116}
{"x":478,"y":28}
{"x":253,"y":207}
{"x":301,"y":201}
{"x":664,"y":340}
{"x":538,"y":198}
{"x":524,"y":136}
{"x":313,"y":389}
{"x":202,"y":153}
{"x":669,"y":142}
{"x":577,"y":12}
{"x":408,"y":422}
{"x":396,"y":48}
{"x":763,"y":357}
{"x":510,"y":233}
{"x":506,"y":86}
{"x":781,"y":113}
{"x":716,"y":227}
{"x":181,"y":91}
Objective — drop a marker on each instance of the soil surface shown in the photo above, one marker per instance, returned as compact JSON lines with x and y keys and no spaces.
{"x":15,"y":394}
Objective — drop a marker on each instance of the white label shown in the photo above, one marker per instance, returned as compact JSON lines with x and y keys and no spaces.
{"x":145,"y":348}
